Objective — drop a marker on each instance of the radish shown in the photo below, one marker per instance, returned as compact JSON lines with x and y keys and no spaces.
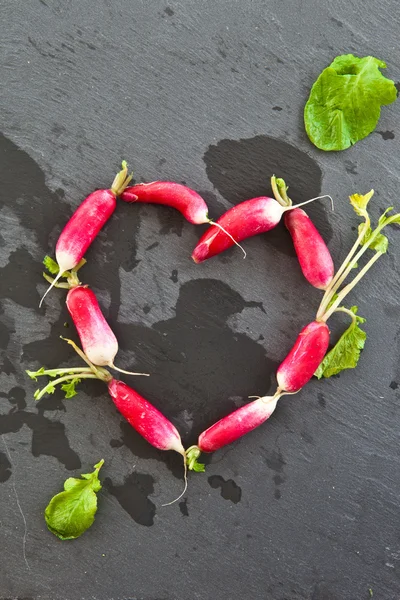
{"x":97,"y":338}
{"x":187,"y":201}
{"x":85,"y":224}
{"x":149,"y":422}
{"x":145,"y":418}
{"x":244,"y":220}
{"x":304,"y":358}
{"x":230,"y":428}
{"x":313,"y":254}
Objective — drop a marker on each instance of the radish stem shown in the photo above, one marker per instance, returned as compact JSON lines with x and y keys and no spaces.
{"x":349,"y":264}
{"x":51,"y":280}
{"x":348,"y":312}
{"x":333,"y":286}
{"x":283,"y":199}
{"x":39,"y":394}
{"x":342,"y":295}
{"x":100,"y":373}
{"x":121,"y":180}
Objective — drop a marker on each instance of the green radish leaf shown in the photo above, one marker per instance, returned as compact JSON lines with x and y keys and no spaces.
{"x":346,"y":353}
{"x":69,"y":387}
{"x":384,"y":219}
{"x":35,"y":374}
{"x":71,"y":512}
{"x":345,"y":102}
{"x":51,"y":265}
{"x":198,"y":467}
{"x":379,"y":244}
{"x":360,"y":202}
{"x":333,"y":299}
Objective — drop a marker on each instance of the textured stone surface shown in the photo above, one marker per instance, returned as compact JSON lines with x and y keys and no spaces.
{"x":210,"y":93}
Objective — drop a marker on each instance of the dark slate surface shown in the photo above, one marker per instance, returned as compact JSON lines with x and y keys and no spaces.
{"x":209,"y":93}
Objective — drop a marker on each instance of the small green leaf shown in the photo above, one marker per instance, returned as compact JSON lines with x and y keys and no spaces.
{"x":71,"y":512}
{"x":360,"y":202}
{"x":346,"y":353}
{"x":379,"y":244}
{"x":345,"y":102}
{"x":198,"y":467}
{"x":333,"y":299}
{"x":69,"y":387}
{"x":383,"y":218}
{"x":35,"y":374}
{"x":51,"y":265}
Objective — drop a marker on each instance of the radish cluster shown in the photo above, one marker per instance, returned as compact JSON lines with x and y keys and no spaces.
{"x":249,"y":218}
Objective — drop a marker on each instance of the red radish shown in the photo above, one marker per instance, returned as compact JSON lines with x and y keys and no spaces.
{"x":232,"y":427}
{"x":85,"y":224}
{"x":244,"y":220}
{"x":184,"y":199}
{"x":304,"y":358}
{"x":149,"y":422}
{"x":313,"y":254}
{"x":98,"y":340}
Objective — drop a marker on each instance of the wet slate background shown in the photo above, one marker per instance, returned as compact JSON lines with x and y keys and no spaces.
{"x":210,"y":94}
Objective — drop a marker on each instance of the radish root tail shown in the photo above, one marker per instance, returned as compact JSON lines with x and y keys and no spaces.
{"x":311,"y":200}
{"x":230,"y":236}
{"x":185,"y":486}
{"x":59,"y":275}
{"x":112,"y":366}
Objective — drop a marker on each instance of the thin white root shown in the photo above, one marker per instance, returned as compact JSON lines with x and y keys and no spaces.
{"x":186,"y":484}
{"x":59,"y":275}
{"x":112,"y":366}
{"x":230,"y":236}
{"x":312,"y":200}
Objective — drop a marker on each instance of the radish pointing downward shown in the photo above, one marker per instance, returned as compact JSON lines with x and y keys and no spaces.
{"x":97,"y":338}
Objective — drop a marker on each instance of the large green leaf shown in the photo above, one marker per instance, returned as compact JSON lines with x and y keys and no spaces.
{"x":345,"y":102}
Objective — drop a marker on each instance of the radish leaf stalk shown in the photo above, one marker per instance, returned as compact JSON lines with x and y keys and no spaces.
{"x":345,"y":354}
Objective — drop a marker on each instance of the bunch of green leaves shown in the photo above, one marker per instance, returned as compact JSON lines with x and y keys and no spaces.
{"x":71,"y":512}
{"x":345,"y":102}
{"x":346,"y":353}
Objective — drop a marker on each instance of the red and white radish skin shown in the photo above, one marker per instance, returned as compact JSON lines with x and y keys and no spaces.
{"x":244,"y":220}
{"x":149,"y":422}
{"x":241,"y":421}
{"x":187,"y":201}
{"x":304,"y":358}
{"x":97,"y":338}
{"x":312,"y":252}
{"x":84,"y":225}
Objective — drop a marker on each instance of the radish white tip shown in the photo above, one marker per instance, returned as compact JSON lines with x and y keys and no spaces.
{"x":59,"y":274}
{"x":185,"y":487}
{"x":112,"y":366}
